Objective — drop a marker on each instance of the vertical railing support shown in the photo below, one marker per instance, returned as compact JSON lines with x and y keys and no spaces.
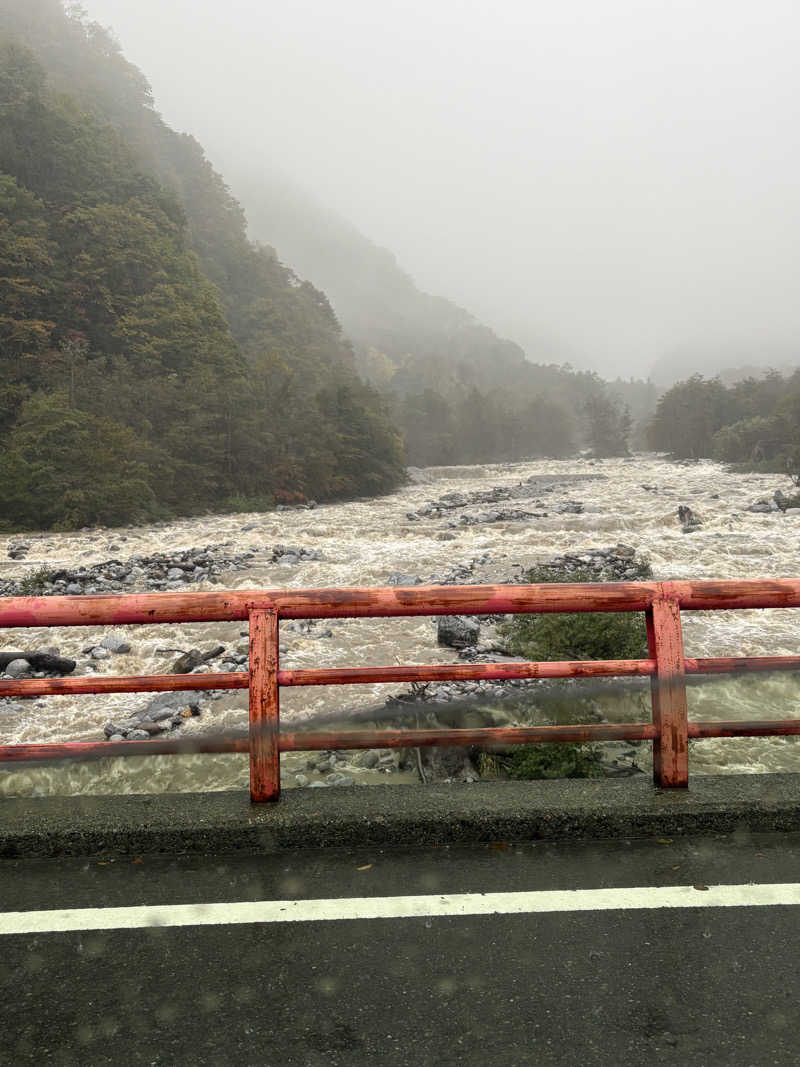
{"x":265,"y":757}
{"x":668,"y":690}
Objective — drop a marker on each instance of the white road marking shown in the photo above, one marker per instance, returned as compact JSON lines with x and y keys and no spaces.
{"x":410,"y":907}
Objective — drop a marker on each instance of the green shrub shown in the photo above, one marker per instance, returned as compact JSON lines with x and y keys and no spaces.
{"x":36,"y":581}
{"x":617,"y":635}
{"x":555,"y":759}
{"x":755,"y":440}
{"x":243,"y":503}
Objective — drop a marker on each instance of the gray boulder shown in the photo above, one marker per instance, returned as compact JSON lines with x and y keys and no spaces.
{"x":152,"y":728}
{"x":399,"y":578}
{"x":164,"y":702}
{"x":116,"y":642}
{"x":453,"y":500}
{"x":457,"y":631}
{"x":17,"y":667}
{"x":688,"y":520}
{"x":186,"y":663}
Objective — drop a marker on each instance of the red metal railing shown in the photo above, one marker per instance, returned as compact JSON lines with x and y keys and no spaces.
{"x":667,"y":666}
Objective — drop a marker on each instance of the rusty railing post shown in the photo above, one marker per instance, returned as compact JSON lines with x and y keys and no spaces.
{"x":265,"y":757}
{"x":668,"y":692}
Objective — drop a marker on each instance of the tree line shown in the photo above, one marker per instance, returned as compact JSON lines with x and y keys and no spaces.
{"x":754,"y":423}
{"x":473,"y":425}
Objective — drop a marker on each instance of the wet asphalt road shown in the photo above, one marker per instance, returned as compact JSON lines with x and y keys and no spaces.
{"x":691,"y":986}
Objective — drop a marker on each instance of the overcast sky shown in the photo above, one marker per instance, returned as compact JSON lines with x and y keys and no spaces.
{"x":623,"y":175}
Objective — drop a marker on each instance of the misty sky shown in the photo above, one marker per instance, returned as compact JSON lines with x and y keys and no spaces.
{"x":619,"y":176}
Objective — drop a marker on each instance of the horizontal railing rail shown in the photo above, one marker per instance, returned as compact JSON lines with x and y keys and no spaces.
{"x":666,"y":665}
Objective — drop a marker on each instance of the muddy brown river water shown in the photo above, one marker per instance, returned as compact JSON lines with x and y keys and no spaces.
{"x":364,"y":542}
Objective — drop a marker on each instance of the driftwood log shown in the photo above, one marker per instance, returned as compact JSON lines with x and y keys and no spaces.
{"x":39,"y":661}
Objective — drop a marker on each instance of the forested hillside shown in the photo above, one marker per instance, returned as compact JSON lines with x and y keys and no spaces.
{"x":754,"y":423}
{"x":154,"y":361}
{"x":458,"y":391}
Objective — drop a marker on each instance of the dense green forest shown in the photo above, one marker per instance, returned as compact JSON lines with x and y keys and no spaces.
{"x":154,"y":361}
{"x":470,"y":425}
{"x":754,"y":423}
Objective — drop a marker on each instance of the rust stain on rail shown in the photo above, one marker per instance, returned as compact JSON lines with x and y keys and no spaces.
{"x":449,"y":672}
{"x":90,"y":750}
{"x":382,"y":602}
{"x":134,"y":683}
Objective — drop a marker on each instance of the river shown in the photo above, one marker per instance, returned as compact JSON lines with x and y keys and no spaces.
{"x":363,"y":542}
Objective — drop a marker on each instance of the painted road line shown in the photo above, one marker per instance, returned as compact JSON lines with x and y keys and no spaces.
{"x":410,"y":907}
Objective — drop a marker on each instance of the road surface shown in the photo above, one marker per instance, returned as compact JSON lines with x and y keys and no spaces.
{"x":402,"y":957}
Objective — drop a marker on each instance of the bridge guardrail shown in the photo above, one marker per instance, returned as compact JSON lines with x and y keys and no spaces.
{"x":667,"y":665}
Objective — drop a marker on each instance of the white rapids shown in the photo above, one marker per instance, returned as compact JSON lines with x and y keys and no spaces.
{"x":364,"y":541}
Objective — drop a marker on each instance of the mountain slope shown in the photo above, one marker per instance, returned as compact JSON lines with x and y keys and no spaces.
{"x":379,"y":305}
{"x":458,"y":391}
{"x":136,"y":311}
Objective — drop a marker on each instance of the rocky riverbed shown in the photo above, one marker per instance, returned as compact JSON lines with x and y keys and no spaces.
{"x":159,"y":572}
{"x":469,"y":524}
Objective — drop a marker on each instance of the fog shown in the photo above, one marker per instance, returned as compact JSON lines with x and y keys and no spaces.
{"x":607,"y":181}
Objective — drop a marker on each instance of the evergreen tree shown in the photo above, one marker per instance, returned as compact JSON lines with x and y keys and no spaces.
{"x":608,"y":426}
{"x":687,"y":417}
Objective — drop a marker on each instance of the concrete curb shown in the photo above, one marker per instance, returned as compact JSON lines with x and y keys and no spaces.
{"x":396,"y":815}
